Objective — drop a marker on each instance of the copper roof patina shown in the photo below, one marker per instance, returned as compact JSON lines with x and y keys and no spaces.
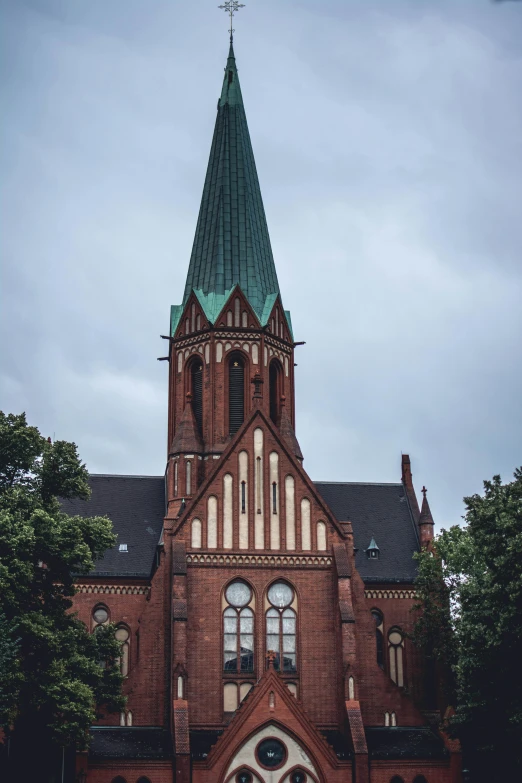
{"x":232,"y":244}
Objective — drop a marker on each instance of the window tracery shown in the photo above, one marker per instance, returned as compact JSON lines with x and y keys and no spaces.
{"x":238,"y":629}
{"x":396,"y":656}
{"x":379,"y":636}
{"x":281,"y":627}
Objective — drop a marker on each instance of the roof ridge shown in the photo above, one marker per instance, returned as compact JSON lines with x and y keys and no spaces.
{"x":125,"y":475}
{"x":362,"y":483}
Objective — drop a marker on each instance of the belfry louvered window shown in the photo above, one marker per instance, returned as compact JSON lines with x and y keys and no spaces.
{"x":196,"y":372}
{"x":275,"y":378}
{"x":236,"y":392}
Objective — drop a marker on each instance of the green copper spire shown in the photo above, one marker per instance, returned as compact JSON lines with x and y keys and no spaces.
{"x":232,"y":245}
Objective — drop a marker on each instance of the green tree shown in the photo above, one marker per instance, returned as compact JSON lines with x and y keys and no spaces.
{"x":470,"y":584}
{"x":55,"y":676}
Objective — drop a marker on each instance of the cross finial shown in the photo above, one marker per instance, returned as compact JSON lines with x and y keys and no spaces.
{"x":271,"y":658}
{"x":424,"y":490}
{"x":231,"y":7}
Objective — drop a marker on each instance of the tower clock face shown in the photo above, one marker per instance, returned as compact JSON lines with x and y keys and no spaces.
{"x":298,"y":776}
{"x":244,"y":777}
{"x":271,"y":753}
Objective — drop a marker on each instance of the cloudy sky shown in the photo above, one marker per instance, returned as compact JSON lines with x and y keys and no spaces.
{"x":388,"y":140}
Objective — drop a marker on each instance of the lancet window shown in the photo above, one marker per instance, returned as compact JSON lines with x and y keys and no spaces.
{"x":122,"y":635}
{"x":196,"y":388}
{"x":379,"y":637}
{"x":276,"y":389}
{"x":238,"y":629}
{"x":236,"y":392}
{"x":396,"y":656}
{"x":281,"y":627}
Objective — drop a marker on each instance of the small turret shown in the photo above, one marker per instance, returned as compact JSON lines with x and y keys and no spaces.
{"x":426,"y":522}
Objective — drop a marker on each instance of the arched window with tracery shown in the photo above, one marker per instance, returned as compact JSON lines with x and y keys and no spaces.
{"x":396,"y":656}
{"x":275,"y":375}
{"x":236,"y":392}
{"x":238,"y":628}
{"x":196,"y":389}
{"x":100,"y":616}
{"x":379,"y":636}
{"x":281,"y":626}
{"x":122,"y":635}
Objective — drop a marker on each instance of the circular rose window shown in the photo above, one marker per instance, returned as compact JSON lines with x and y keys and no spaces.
{"x":280,"y":594}
{"x":244,"y":776}
{"x":238,"y":594}
{"x":271,"y":753}
{"x":298,"y":776}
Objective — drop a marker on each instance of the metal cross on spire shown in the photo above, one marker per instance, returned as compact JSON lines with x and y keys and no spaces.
{"x":231,"y":7}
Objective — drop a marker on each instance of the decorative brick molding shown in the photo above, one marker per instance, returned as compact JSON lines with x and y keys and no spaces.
{"x":114,"y":589}
{"x":259,"y":560}
{"x":390,"y":594}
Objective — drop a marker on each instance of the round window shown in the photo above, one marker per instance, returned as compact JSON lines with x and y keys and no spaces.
{"x":101,"y":615}
{"x":395,"y":637}
{"x":244,"y":776}
{"x":121,"y":634}
{"x":280,"y":594}
{"x":271,"y":753}
{"x":238,"y":594}
{"x":298,"y":776}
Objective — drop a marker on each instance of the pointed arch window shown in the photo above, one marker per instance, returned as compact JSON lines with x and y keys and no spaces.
{"x":396,"y":656}
{"x":236,"y":392}
{"x":281,"y":627}
{"x":275,"y":373}
{"x":122,"y":635}
{"x":100,"y":615}
{"x":379,"y":639}
{"x":238,"y":629}
{"x":196,"y":388}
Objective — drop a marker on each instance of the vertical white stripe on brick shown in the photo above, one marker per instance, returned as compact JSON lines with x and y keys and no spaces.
{"x":275,"y":535}
{"x":227,"y":511}
{"x":290,"y":511}
{"x":212,"y":522}
{"x":196,"y":534}
{"x":321,"y":536}
{"x":306,"y":542}
{"x":259,"y":524}
{"x":243,"y":517}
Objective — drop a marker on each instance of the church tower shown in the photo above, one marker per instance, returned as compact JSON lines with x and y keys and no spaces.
{"x":231,"y":341}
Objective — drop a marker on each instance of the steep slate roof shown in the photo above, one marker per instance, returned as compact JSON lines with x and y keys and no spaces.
{"x":380,"y":511}
{"x":139,"y":742}
{"x":231,"y":245}
{"x":400,"y":742}
{"x":136,"y":507}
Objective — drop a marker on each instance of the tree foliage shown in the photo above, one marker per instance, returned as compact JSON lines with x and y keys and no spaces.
{"x":470,"y":585}
{"x":54,"y":674}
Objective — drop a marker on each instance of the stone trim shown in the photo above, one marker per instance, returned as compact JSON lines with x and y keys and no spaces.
{"x":390,"y":594}
{"x":259,"y":560}
{"x":113,"y":589}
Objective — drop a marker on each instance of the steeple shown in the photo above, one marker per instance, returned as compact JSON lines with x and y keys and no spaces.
{"x":426,"y":523}
{"x":231,"y":245}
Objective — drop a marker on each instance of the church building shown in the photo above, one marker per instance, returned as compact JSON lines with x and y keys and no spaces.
{"x":264,"y":618}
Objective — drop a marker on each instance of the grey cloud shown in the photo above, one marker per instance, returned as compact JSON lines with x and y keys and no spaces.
{"x":387,"y":139}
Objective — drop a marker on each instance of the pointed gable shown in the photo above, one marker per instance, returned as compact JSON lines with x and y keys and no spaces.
{"x":259,"y":498}
{"x":271,"y":711}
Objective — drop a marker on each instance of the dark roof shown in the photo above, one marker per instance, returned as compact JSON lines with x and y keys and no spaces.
{"x":136,"y":507}
{"x":404,"y":743}
{"x":380,"y":511}
{"x":201,"y":743}
{"x":139,"y":742}
{"x":338,"y":743}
